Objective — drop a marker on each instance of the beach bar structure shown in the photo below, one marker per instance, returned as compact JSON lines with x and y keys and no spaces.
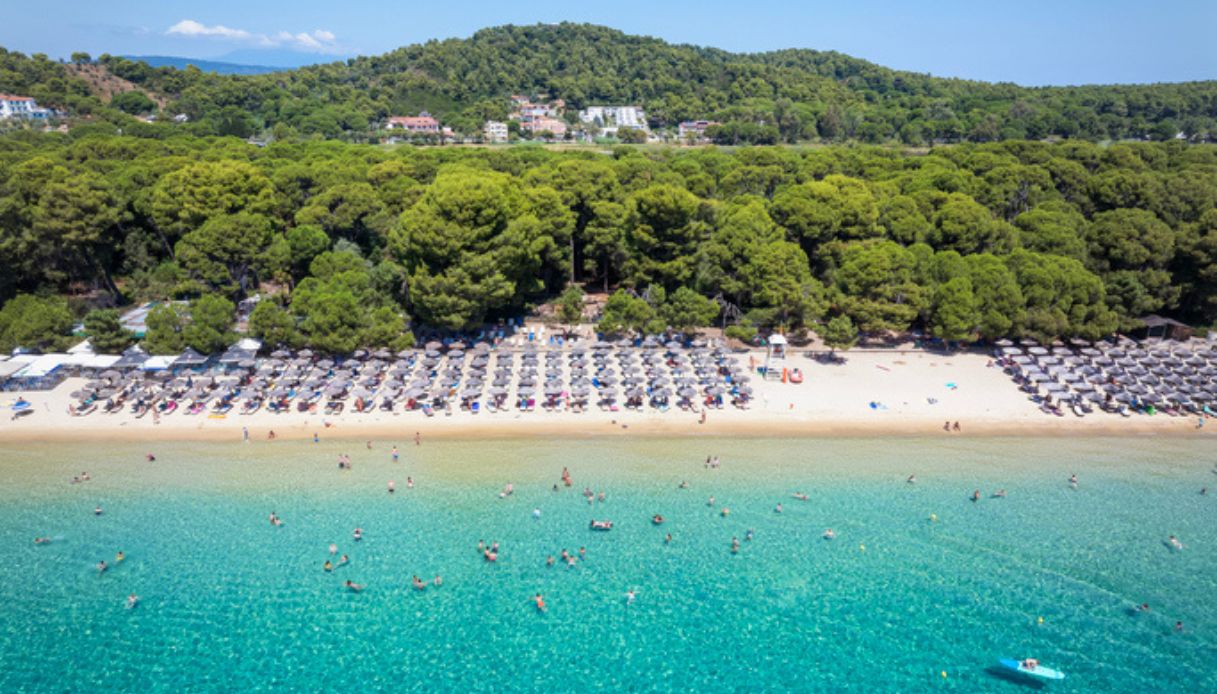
{"x":1158,"y":327}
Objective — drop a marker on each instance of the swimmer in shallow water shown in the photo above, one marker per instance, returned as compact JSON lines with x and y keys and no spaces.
{"x":829,"y":534}
{"x":777,"y":509}
{"x":101,"y":566}
{"x":97,"y":511}
{"x":353,"y":587}
{"x":344,"y":560}
{"x":539,"y":602}
{"x":630,"y":595}
{"x":119,"y":557}
{"x":42,"y":540}
{"x":328,"y":566}
{"x":1174,"y":542}
{"x":132,"y":601}
{"x":999,"y":494}
{"x":912,"y":479}
{"x":683,"y":485}
{"x":667,"y":539}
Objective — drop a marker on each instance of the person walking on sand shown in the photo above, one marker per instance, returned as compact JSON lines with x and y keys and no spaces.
{"x":956,"y":426}
{"x":245,"y":434}
{"x":418,"y":438}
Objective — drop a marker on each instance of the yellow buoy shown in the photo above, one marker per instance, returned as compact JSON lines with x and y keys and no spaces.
{"x":862,"y":548}
{"x":933,"y":517}
{"x":944,"y":674}
{"x":1041,"y":620}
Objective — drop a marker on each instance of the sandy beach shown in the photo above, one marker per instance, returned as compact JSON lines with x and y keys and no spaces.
{"x":914,"y":392}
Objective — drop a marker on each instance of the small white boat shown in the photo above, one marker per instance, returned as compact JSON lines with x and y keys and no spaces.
{"x":1031,"y":667}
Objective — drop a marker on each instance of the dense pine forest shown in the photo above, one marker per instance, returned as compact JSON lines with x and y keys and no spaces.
{"x":351,"y":244}
{"x":783,"y":96}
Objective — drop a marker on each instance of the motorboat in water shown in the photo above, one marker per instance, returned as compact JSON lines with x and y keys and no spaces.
{"x":1030,"y":667}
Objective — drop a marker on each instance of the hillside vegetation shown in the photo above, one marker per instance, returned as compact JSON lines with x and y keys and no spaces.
{"x":781,"y":96}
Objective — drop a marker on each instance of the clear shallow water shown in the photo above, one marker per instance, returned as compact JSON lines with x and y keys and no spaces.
{"x":231,"y":603}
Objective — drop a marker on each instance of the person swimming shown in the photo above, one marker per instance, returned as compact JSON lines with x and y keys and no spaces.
{"x":778,"y":508}
{"x":667,"y":539}
{"x":101,"y":566}
{"x":1174,"y":542}
{"x":333,"y":549}
{"x":353,"y":587}
{"x":437,"y":581}
{"x":735,"y":545}
{"x":583,"y":554}
{"x":829,"y":534}
{"x":42,"y":540}
{"x":710,"y":502}
{"x":418,"y":584}
{"x":725,"y":512}
{"x":539,"y":602}
{"x":132,"y":601}
{"x":328,"y":566}
{"x":630,"y":595}
{"x":358,"y":534}
{"x":1073,"y":480}
{"x":999,"y":494}
{"x":344,"y":560}
{"x":800,"y":496}
{"x":683,"y":485}
{"x":409,"y":483}
{"x":119,"y":557}
{"x":976,"y":495}
{"x":748,"y":535}
{"x":97,"y":511}
{"x":549,"y":561}
{"x":911,"y":480}
{"x":536,"y":513}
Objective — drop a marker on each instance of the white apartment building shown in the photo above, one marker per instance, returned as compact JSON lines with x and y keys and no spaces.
{"x":495,"y":131}
{"x":615,"y":116}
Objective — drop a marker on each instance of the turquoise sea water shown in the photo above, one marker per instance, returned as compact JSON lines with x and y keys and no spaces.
{"x":230,"y":603}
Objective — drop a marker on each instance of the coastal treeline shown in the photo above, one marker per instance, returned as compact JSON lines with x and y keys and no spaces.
{"x":783,"y":96}
{"x":349,"y":245}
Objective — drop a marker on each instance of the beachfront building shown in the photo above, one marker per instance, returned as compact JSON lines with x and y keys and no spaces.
{"x":423,"y":123}
{"x":495,"y":131}
{"x":536,"y":125}
{"x":694,"y":130}
{"x":615,"y":117}
{"x":21,"y":107}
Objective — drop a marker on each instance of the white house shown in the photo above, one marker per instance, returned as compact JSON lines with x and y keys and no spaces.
{"x":21,"y":107}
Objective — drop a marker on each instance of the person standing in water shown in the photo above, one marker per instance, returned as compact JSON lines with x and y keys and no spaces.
{"x":394,"y":454}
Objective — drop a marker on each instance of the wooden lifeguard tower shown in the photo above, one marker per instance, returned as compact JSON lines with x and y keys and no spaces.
{"x":775,"y":357}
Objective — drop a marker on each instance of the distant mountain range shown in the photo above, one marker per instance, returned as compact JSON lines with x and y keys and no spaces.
{"x":218,"y":67}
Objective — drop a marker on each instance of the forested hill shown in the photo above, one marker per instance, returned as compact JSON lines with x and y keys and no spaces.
{"x":780,"y":96}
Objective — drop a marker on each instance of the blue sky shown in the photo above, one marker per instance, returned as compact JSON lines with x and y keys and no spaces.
{"x":1030,"y":42}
